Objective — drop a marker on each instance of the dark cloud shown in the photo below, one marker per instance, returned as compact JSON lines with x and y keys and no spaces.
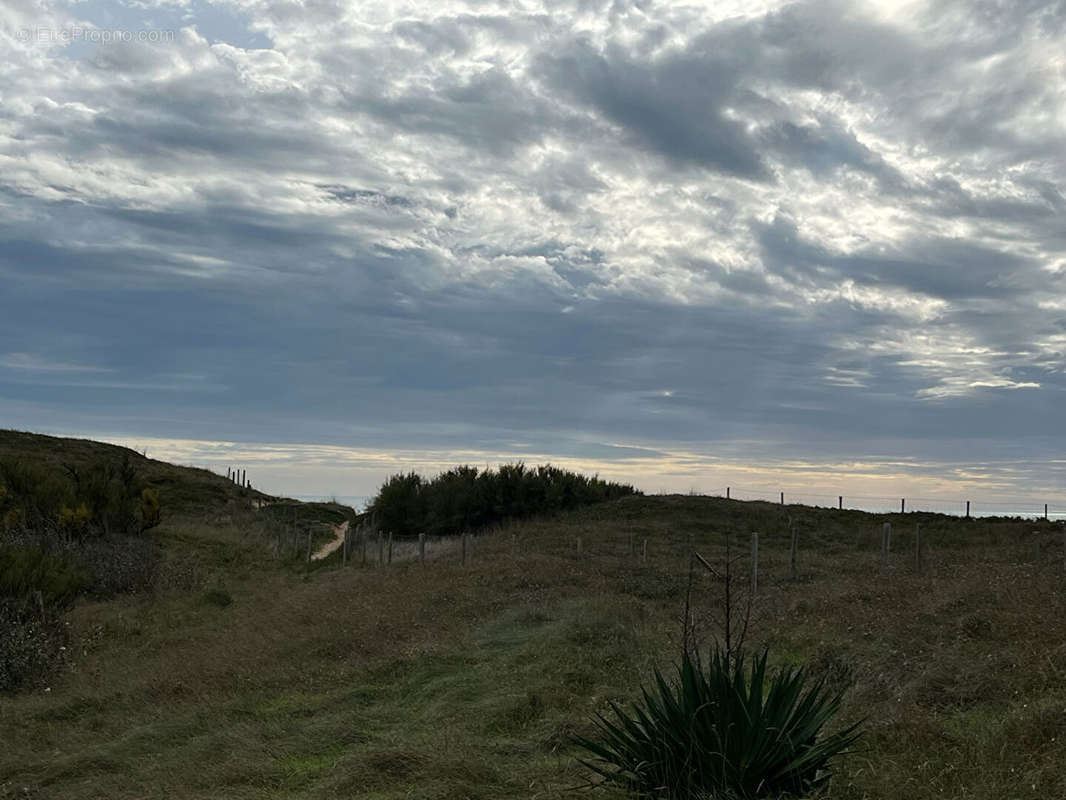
{"x":674,"y":106}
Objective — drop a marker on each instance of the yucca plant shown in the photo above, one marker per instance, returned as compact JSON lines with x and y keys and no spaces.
{"x":726,"y":731}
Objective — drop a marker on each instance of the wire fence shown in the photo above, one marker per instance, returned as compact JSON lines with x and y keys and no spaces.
{"x":1025,"y":507}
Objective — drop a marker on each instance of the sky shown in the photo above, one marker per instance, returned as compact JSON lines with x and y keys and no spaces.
{"x":816,"y":247}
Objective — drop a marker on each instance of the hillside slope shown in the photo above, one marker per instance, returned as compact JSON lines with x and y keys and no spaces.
{"x":182,"y":489}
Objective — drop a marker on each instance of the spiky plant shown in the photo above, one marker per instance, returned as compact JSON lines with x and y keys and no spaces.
{"x":726,"y":731}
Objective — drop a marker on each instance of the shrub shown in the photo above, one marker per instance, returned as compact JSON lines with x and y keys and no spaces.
{"x":465,"y":498}
{"x":149,"y":509}
{"x":112,"y":492}
{"x":26,"y":568}
{"x":723,"y":732}
{"x":104,"y":497}
{"x":74,"y":522}
{"x":32,"y":496}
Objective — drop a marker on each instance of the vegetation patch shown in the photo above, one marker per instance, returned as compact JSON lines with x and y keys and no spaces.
{"x":722,"y":730}
{"x":466,"y":498}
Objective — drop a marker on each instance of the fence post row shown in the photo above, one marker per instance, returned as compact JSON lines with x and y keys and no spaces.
{"x":902,"y":503}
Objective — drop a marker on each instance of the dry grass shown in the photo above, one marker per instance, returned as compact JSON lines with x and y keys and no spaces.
{"x":441,"y":681}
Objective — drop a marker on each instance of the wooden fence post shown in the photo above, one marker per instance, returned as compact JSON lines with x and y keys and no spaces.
{"x":903,"y":505}
{"x":840,"y":502}
{"x":967,"y":509}
{"x":782,"y":498}
{"x":754,"y":562}
{"x":886,"y":533}
{"x":390,"y":547}
{"x":1045,"y":511}
{"x":381,"y":549}
{"x":795,"y":536}
{"x":727,"y":493}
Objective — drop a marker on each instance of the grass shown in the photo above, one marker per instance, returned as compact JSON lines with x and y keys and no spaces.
{"x":243,"y":677}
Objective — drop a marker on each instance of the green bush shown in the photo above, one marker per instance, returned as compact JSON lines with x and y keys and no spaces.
{"x":465,"y":498}
{"x":31,"y":496}
{"x":721,"y":732}
{"x":105,"y":497}
{"x":27,"y":568}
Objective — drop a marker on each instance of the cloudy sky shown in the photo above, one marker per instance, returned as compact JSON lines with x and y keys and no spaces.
{"x":811,"y":246}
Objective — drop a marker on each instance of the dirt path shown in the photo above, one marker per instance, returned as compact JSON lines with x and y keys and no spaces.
{"x":329,"y":547}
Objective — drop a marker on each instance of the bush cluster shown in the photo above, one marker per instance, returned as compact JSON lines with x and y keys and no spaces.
{"x":63,"y":534}
{"x":466,"y":498}
{"x":105,"y":497}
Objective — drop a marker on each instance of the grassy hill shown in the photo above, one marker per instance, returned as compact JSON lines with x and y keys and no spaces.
{"x":181,"y":489}
{"x":243,"y":676}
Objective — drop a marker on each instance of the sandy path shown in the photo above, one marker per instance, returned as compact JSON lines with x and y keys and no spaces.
{"x":329,"y":547}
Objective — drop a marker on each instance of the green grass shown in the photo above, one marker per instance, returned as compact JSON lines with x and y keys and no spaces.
{"x":450,"y":682}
